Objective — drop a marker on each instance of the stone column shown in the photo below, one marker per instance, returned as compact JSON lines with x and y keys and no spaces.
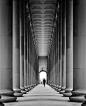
{"x":37,"y":72}
{"x":53,"y":57}
{"x":57,"y":28}
{"x":57,"y":50}
{"x":60,"y":46}
{"x":30,"y":56}
{"x":56,"y":56}
{"x":29,"y":73}
{"x":25,"y":46}
{"x":28,"y":29}
{"x":69,"y":48}
{"x":48,"y":71}
{"x":28,"y":60}
{"x":6,"y":90}
{"x":63,"y":47}
{"x":79,"y":47}
{"x":21,"y":48}
{"x":16,"y":49}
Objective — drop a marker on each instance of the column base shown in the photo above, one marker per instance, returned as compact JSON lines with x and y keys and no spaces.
{"x":7,"y":96}
{"x":18,"y":93}
{"x":59,"y":89}
{"x":78,"y":96}
{"x":29,"y":88}
{"x":8,"y":99}
{"x":67,"y":93}
{"x":23,"y":90}
{"x":26,"y":89}
{"x":62,"y":90}
{"x":56,"y":88}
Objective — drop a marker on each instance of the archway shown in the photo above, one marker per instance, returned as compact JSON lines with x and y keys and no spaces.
{"x":42,"y":75}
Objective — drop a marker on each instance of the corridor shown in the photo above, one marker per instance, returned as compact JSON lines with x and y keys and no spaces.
{"x":42,"y":96}
{"x":42,"y":36}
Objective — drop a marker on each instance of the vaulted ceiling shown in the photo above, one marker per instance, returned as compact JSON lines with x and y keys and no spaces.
{"x":43,"y":14}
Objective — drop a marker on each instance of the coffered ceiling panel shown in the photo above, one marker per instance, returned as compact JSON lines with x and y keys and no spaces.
{"x":42,"y":22}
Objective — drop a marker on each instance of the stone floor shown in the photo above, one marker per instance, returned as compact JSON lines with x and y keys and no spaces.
{"x":42,"y":96}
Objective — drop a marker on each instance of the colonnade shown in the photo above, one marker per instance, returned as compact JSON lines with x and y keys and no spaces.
{"x":70,"y":50}
{"x":18,"y":59}
{"x":67,"y":57}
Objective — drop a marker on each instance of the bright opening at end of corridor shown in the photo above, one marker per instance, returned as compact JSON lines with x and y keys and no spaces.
{"x":42,"y":75}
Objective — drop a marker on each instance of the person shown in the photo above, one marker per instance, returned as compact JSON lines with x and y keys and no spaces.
{"x":44,"y":81}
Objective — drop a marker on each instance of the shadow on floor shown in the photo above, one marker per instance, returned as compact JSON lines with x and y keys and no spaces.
{"x":43,"y":99}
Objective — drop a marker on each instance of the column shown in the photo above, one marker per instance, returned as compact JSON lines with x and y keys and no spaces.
{"x":6,"y":90}
{"x":60,"y":46}
{"x":37,"y":73}
{"x":53,"y":69}
{"x":56,"y":55}
{"x":21,"y":48}
{"x":16,"y":50}
{"x":48,"y":72}
{"x":29,"y":74}
{"x":79,"y":47}
{"x":28,"y":29}
{"x":25,"y":46}
{"x":57,"y":28}
{"x":30,"y":45}
{"x":63,"y":47}
{"x":69,"y":48}
{"x":29,"y":58}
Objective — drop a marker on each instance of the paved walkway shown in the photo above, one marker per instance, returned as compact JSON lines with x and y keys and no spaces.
{"x":42,"y":96}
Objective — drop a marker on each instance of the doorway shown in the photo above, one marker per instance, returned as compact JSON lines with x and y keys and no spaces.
{"x":42,"y":75}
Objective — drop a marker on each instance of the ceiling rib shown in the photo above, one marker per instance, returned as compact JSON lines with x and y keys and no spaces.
{"x":42,"y":16}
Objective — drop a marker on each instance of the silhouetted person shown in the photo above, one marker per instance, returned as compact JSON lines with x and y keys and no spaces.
{"x":44,"y":81}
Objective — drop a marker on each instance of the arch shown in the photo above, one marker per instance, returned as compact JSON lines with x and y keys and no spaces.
{"x":42,"y":71}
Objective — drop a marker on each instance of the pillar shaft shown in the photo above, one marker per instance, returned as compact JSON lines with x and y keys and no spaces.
{"x":30,"y":57}
{"x":28,"y":29}
{"x":29,"y":65}
{"x":53,"y":62}
{"x":21,"y":48}
{"x":16,"y":49}
{"x":60,"y":45}
{"x":25,"y":46}
{"x":54,"y":73}
{"x":63,"y":47}
{"x":29,"y":74}
{"x":55,"y":68}
{"x":56,"y":56}
{"x":69,"y":48}
{"x":79,"y":63}
{"x":28,"y":60}
{"x":58,"y":82}
{"x":6,"y":51}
